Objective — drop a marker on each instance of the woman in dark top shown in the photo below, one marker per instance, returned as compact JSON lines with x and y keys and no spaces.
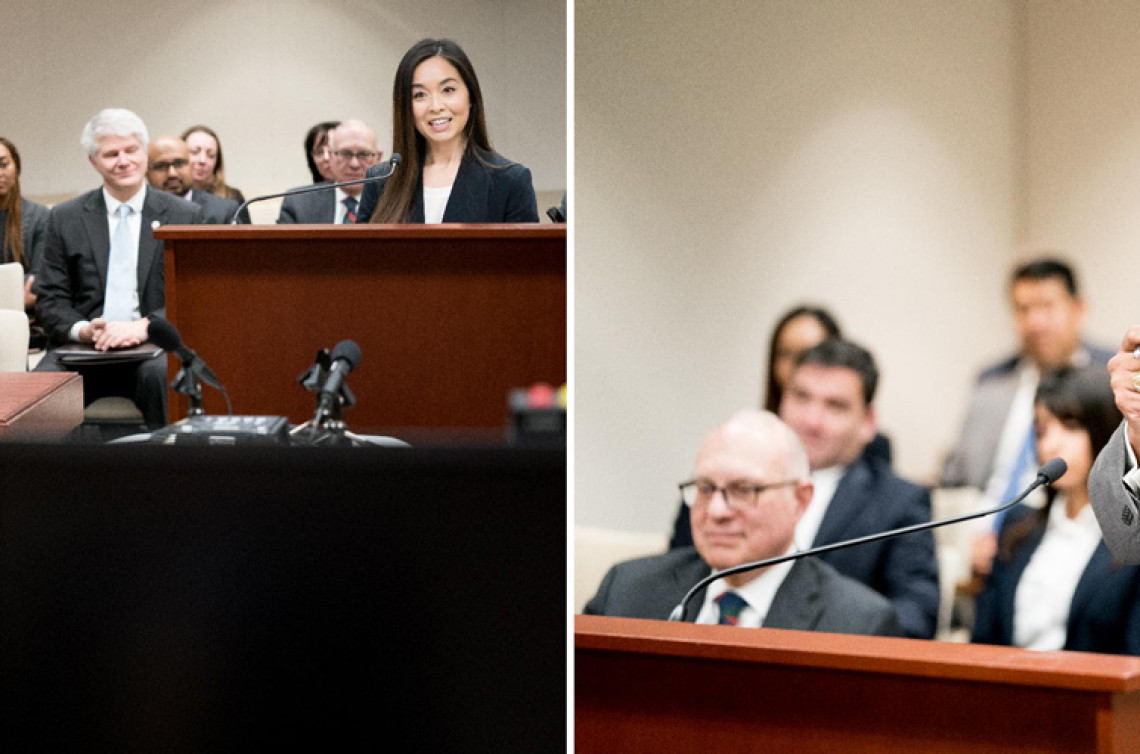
{"x":22,"y":223}
{"x":1053,"y":584}
{"x":449,"y":171}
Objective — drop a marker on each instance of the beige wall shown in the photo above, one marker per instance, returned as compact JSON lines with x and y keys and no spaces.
{"x":261,"y":72}
{"x":736,"y":158}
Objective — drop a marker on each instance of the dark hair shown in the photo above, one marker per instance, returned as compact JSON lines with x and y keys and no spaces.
{"x":13,"y":221}
{"x":399,"y":191}
{"x":319,"y":132}
{"x":218,"y":187}
{"x":1075,"y":395}
{"x":1046,"y":268}
{"x":773,"y":392}
{"x":837,"y":352}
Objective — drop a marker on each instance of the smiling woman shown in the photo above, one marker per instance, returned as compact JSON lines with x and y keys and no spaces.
{"x":449,"y":170}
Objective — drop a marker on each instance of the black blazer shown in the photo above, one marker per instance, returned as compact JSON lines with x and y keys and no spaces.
{"x":812,"y":597}
{"x":1104,"y":615}
{"x":502,"y":193}
{"x":73,"y":271}
{"x":218,"y":210}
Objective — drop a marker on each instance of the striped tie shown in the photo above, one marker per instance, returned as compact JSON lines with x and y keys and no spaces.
{"x":730,"y":604}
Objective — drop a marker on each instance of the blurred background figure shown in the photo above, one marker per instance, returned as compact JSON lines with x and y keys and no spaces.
{"x":317,"y":150}
{"x":22,"y":223}
{"x":168,"y":169}
{"x":208,"y":168}
{"x":1053,"y":583}
{"x":798,"y":330}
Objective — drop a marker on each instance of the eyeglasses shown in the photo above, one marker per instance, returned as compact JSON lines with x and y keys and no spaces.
{"x":164,"y":166}
{"x":739,"y":494}
{"x":348,"y":154}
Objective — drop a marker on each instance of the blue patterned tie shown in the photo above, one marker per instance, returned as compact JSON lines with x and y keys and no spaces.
{"x":730,"y":604}
{"x":350,"y":210}
{"x":118,"y":303}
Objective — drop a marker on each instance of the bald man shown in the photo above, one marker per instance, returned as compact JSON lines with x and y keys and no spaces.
{"x":353,"y":149}
{"x":750,"y":486}
{"x":168,"y":169}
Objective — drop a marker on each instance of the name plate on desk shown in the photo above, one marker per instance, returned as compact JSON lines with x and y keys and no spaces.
{"x":39,"y":405}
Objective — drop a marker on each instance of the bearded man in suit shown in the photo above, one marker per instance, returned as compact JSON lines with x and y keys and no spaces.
{"x":750,"y":487}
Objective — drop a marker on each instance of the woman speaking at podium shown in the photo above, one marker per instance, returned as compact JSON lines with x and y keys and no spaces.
{"x":449,"y":172}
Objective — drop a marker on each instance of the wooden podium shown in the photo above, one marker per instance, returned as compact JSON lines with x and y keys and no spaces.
{"x":655,"y":686}
{"x":449,"y":318}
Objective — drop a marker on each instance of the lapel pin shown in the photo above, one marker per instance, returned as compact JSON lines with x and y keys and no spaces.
{"x":155,"y":225}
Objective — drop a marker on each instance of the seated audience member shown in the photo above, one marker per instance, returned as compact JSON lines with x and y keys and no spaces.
{"x":449,"y":173}
{"x":1054,"y":584}
{"x":352,"y":148}
{"x":829,"y":403}
{"x":750,"y":486}
{"x":317,"y":151}
{"x":22,"y":223}
{"x":168,"y":169}
{"x":208,"y":168}
{"x":102,"y":271}
{"x":1115,"y":482}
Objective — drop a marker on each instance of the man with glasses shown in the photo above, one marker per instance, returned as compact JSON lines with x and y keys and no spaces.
{"x":750,"y":486}
{"x":168,"y":169}
{"x":352,"y":147}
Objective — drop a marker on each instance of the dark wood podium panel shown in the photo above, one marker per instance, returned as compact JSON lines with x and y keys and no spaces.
{"x":39,"y":406}
{"x":654,"y":686}
{"x":449,"y":318}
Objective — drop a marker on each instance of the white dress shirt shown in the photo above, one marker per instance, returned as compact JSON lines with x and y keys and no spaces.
{"x":824,"y":483}
{"x":435,"y":203}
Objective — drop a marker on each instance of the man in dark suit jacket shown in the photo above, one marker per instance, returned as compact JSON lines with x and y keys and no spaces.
{"x":749,"y":489}
{"x":353,"y":149}
{"x":77,"y":268}
{"x":829,"y":403}
{"x":168,"y":169}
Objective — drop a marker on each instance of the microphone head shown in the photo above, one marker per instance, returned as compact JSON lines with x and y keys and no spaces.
{"x":395,"y":159}
{"x":163,"y":334}
{"x":348,"y":351}
{"x":1053,"y":470}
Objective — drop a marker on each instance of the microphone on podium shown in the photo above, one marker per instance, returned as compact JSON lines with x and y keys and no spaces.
{"x":393,"y":163}
{"x":165,"y":335}
{"x":1050,"y":472}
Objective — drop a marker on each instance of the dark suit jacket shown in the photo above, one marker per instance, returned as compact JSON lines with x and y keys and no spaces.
{"x":217,"y":210}
{"x":317,"y":207}
{"x":73,"y":271}
{"x":33,"y":220}
{"x":1104,"y":615}
{"x":481,"y":194}
{"x":813,"y":597}
{"x":871,"y":499}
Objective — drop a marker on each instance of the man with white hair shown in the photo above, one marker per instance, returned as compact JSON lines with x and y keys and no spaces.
{"x":102,"y":273}
{"x":750,"y":486}
{"x":352,"y":148}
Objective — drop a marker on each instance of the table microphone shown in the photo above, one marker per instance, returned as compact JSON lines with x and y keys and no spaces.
{"x":1050,"y":472}
{"x":393,"y":162}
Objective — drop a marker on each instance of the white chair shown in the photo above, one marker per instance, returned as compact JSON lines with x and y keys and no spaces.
{"x":12,"y":286}
{"x":595,"y":550}
{"x":13,"y":340}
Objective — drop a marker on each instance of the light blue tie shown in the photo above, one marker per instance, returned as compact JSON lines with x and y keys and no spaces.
{"x":1025,"y":459}
{"x":118,"y":304}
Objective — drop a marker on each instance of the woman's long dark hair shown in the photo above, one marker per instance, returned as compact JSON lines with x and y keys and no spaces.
{"x":1076,"y":396}
{"x":13,"y":221}
{"x":772,"y":391}
{"x":399,"y":190}
{"x":317,"y":134}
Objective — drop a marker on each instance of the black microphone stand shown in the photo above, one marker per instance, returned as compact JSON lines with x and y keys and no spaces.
{"x":1050,"y":472}
{"x":186,"y":383}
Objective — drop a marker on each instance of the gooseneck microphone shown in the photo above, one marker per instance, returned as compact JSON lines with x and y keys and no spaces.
{"x":343,"y":359}
{"x":1050,"y":472}
{"x":165,"y":335}
{"x":393,"y":163}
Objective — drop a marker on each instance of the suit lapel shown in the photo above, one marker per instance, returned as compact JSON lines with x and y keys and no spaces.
{"x":685,"y":576}
{"x":846,"y":504}
{"x":1096,"y":572}
{"x":98,"y":236}
{"x":149,"y":248}
{"x":797,"y":602}
{"x":471,"y":182}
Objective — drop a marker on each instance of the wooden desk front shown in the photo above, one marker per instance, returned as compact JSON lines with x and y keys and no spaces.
{"x":677,"y":687}
{"x":449,"y":318}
